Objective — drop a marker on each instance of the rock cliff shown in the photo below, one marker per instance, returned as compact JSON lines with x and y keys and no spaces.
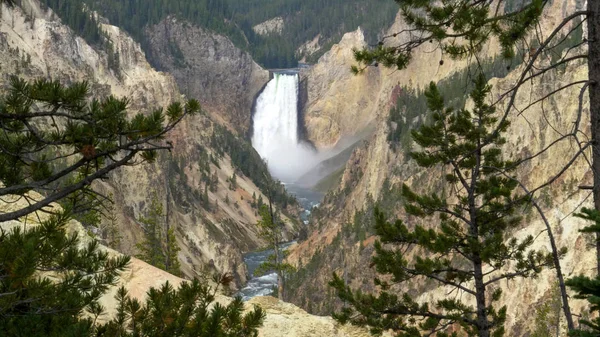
{"x":209,"y":67}
{"x":213,"y":234}
{"x":340,"y":240}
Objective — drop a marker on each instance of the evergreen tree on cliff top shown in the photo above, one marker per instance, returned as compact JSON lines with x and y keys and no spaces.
{"x":460,"y":29}
{"x":465,"y":244}
{"x":56,"y":142}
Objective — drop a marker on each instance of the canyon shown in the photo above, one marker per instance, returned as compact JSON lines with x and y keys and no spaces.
{"x":332,"y":130}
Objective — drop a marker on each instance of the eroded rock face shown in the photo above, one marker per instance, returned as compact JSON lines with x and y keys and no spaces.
{"x":285,"y":319}
{"x":271,"y":26}
{"x":208,"y":67}
{"x":370,"y":165}
{"x":34,"y":43}
{"x":337,"y":103}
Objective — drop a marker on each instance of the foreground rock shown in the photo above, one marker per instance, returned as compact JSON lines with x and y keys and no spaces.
{"x":285,"y":319}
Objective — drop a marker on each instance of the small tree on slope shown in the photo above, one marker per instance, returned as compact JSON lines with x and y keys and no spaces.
{"x":158,"y":249}
{"x":270,"y":228}
{"x":467,"y":249}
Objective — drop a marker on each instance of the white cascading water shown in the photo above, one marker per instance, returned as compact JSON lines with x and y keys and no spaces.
{"x":275,"y":135}
{"x":275,"y":138}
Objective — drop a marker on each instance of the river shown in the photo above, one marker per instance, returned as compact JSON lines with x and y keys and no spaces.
{"x":263,"y":285}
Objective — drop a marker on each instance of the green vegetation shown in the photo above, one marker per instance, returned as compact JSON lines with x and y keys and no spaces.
{"x":33,"y":304}
{"x":189,"y":311}
{"x":331,"y":181}
{"x":409,"y":110}
{"x":304,"y":20}
{"x":86,"y":25}
{"x":471,"y":236}
{"x":459,"y":29}
{"x":271,"y":230}
{"x":84,"y":142}
{"x":588,"y":288}
{"x":245,"y":159}
{"x":51,"y":279}
{"x":547,"y":316}
{"x":159,"y":247}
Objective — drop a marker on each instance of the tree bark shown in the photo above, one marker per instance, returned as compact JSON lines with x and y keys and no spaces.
{"x":482,"y":321}
{"x":593,"y":21}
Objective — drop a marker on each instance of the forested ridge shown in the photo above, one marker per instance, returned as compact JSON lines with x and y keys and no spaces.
{"x":303,"y":21}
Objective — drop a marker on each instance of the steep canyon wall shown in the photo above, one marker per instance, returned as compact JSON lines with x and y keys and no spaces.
{"x":342,"y":236}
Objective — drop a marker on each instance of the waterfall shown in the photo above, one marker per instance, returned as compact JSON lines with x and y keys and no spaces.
{"x":275,"y":135}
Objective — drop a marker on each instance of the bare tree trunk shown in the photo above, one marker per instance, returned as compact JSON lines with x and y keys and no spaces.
{"x":280,"y":285}
{"x":561,"y":281}
{"x":167,"y":191}
{"x":593,"y":21}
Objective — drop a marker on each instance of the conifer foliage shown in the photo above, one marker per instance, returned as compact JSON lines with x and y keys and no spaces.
{"x":459,"y":28}
{"x":271,"y":230}
{"x":49,"y":279}
{"x":158,"y":249}
{"x":586,"y":287}
{"x":189,"y":311}
{"x":57,"y":141}
{"x":465,"y":244}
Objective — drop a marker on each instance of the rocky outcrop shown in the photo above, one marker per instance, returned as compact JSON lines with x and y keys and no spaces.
{"x":373,"y":168}
{"x":291,"y":321}
{"x":271,"y":26}
{"x":208,"y":67}
{"x":336,"y":102}
{"x":37,"y":44}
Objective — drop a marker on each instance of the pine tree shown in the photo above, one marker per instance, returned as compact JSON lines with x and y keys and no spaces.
{"x":466,"y":246}
{"x":151,"y":248}
{"x":548,"y":315}
{"x":90,"y":137}
{"x":233,"y":182}
{"x":50,"y":280}
{"x":158,"y":249}
{"x":189,"y":311}
{"x":57,"y":141}
{"x":214,"y":182}
{"x":172,"y":264}
{"x":205,"y":198}
{"x":271,"y":230}
{"x":460,"y":29}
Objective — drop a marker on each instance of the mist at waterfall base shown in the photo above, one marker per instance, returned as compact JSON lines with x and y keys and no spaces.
{"x":275,"y":126}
